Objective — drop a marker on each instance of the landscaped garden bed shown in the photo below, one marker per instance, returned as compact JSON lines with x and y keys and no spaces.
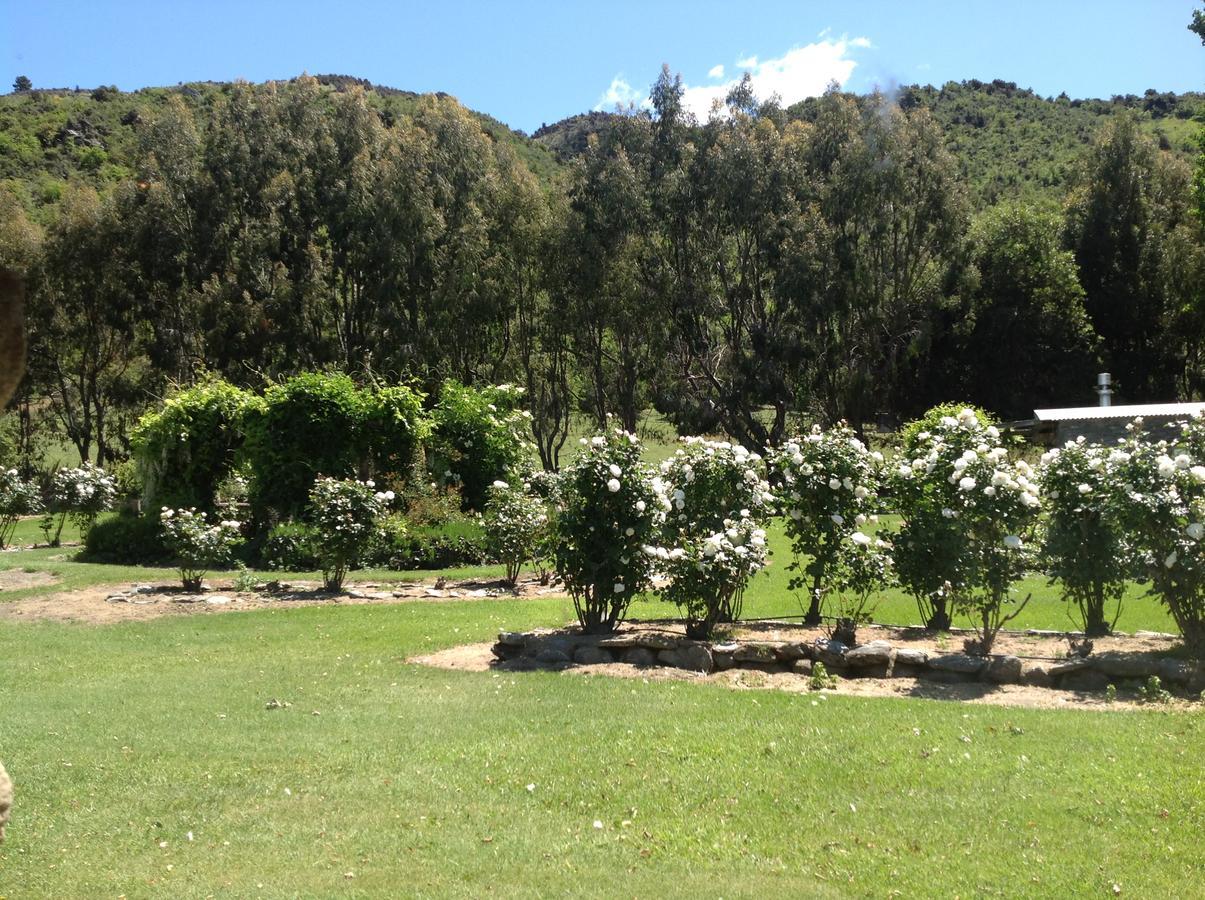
{"x":1038,"y":659}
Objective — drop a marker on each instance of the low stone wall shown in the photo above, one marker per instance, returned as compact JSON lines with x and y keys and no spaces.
{"x":876,"y":659}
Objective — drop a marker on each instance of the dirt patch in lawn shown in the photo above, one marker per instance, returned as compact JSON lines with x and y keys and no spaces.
{"x":111,"y":604}
{"x":17,"y":580}
{"x":1042,"y":646}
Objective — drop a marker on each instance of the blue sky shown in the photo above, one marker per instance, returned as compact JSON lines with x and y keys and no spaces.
{"x":532,"y":62}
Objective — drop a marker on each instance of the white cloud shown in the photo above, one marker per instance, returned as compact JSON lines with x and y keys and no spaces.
{"x":716,"y":71}
{"x":799,"y":73}
{"x":620,"y":93}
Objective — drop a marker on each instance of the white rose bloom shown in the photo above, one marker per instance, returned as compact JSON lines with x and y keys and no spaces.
{"x":948,"y":513}
{"x":1182,"y":461}
{"x":598,"y":440}
{"x":615,"y":470}
{"x":1012,"y":542}
{"x":860,"y":539}
{"x":989,"y":491}
{"x":966,"y":484}
{"x":834,"y":484}
{"x":1085,"y":489}
{"x":1197,"y":472}
{"x":613,"y":485}
{"x":860,"y":519}
{"x":861,"y":493}
{"x":838,"y":518}
{"x":1195,"y":531}
{"x":640,"y":506}
{"x":629,"y":531}
{"x":905,"y":471}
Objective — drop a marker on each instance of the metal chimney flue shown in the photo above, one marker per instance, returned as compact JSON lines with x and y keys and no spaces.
{"x":1104,"y":388}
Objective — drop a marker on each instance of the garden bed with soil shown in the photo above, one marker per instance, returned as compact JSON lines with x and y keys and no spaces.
{"x":1031,"y":668}
{"x":112,"y":604}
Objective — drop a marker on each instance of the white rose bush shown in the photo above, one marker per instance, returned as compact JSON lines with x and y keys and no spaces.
{"x":714,"y":539}
{"x":1162,"y":507}
{"x":607,"y":512}
{"x":18,"y":497}
{"x":198,"y":543}
{"x":828,"y":484}
{"x":515,"y":520}
{"x":1086,"y":548}
{"x":969,"y":519}
{"x":82,"y":493}
{"x":345,"y":515}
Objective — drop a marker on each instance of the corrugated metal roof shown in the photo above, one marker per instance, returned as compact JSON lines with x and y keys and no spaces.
{"x":1146,"y":410}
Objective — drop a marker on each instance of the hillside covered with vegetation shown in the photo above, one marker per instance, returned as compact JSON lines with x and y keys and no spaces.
{"x":849,"y":257}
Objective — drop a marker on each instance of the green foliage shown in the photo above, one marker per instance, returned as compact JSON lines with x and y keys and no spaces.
{"x":515,"y":522}
{"x":828,"y":492}
{"x":714,"y":537}
{"x":452,"y":544}
{"x":931,"y":420}
{"x":309,"y":426}
{"x":18,"y":497}
{"x":189,"y":446}
{"x":1153,"y":691}
{"x":480,"y":436}
{"x":83,"y":493}
{"x":607,"y":511}
{"x":344,"y":514}
{"x":394,"y":429}
{"x":290,"y":547}
{"x":198,"y":543}
{"x":1086,"y":548}
{"x":1025,"y":322}
{"x":126,"y":539}
{"x":1162,"y":509}
{"x":968,"y":514}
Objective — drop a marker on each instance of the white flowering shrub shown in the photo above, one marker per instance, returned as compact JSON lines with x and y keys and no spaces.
{"x":714,"y":538}
{"x":1085,"y":548}
{"x":198,"y":543}
{"x":828,"y":490}
{"x":515,"y":521}
{"x":1163,"y":509}
{"x":863,"y":568}
{"x":969,"y":515}
{"x":607,"y":511}
{"x":82,"y":493}
{"x":344,"y":514}
{"x":18,"y":497}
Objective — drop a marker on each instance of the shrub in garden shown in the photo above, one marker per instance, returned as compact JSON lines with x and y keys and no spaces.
{"x":863,"y":567}
{"x":82,"y":493}
{"x":828,"y":490}
{"x":18,"y":497}
{"x":126,"y":539}
{"x":714,"y":538}
{"x":515,"y":521}
{"x":1163,"y":509}
{"x":968,"y":516}
{"x":185,"y":449}
{"x":480,"y":436}
{"x":607,"y":512}
{"x":344,"y":514}
{"x":394,"y":428}
{"x":1085,"y":547}
{"x":307,"y":425}
{"x":290,"y":547}
{"x":199,"y":544}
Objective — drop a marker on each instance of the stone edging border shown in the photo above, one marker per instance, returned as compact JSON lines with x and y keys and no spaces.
{"x":876,"y":659}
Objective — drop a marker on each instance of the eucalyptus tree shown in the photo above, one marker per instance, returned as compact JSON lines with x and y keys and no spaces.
{"x":1137,"y":244}
{"x":893,"y":218}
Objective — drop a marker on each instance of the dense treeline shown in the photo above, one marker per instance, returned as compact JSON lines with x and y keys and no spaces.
{"x":731,"y":273}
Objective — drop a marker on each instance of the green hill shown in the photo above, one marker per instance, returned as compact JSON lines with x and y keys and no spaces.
{"x":50,"y":136}
{"x":1011,"y":143}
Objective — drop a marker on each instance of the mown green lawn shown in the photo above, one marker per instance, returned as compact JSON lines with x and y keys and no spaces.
{"x":383,"y":778}
{"x":388,"y":779}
